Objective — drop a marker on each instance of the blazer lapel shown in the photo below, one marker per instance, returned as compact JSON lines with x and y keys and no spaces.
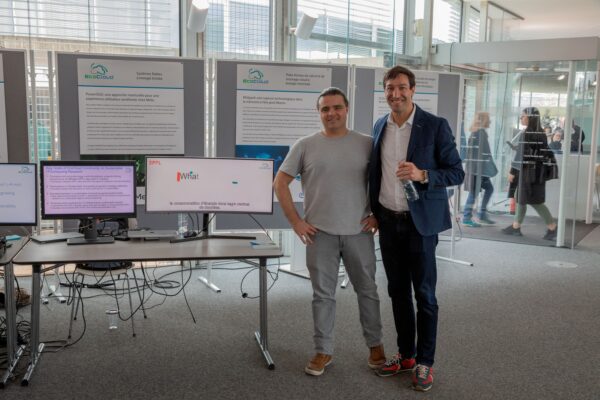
{"x":379,"y":135}
{"x":415,"y":133}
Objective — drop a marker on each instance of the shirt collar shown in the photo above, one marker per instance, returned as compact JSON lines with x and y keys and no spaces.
{"x":408,"y":122}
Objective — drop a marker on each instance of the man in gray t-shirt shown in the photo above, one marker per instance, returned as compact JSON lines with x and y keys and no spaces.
{"x":337,"y":223}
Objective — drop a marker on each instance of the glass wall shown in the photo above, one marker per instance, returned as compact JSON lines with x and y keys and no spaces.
{"x":362,"y":32}
{"x":239,"y":29}
{"x":497,"y":151}
{"x":109,"y":26}
{"x":473,"y":22}
{"x":446,"y":21}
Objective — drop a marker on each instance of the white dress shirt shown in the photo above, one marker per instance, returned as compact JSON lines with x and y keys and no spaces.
{"x":394,"y":148}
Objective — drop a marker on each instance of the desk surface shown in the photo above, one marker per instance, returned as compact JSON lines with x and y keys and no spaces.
{"x":134,"y":250}
{"x":10,"y":252}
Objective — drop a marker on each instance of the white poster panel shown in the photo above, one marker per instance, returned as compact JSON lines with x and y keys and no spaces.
{"x":276,"y":106}
{"x":130,"y":107}
{"x":3,"y":134}
{"x":426,"y":94}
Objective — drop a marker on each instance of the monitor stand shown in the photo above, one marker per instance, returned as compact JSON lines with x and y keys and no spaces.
{"x":204,"y":234}
{"x":90,"y":234}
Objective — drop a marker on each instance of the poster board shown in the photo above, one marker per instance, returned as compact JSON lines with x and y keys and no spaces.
{"x":437,"y":92}
{"x":181,"y":78}
{"x":14,"y":137}
{"x":262,"y":108}
{"x":14,"y":142}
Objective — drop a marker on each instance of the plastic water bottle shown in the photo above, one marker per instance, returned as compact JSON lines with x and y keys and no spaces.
{"x":410,"y":191}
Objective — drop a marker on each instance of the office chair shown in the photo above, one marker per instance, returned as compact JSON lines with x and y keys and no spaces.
{"x":101,"y":271}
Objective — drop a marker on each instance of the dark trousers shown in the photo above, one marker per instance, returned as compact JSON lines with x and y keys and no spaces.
{"x":409,"y":262}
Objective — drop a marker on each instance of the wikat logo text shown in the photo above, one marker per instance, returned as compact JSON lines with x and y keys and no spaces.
{"x":186,"y":176}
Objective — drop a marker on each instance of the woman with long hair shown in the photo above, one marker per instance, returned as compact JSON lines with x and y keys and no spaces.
{"x":531,"y":167}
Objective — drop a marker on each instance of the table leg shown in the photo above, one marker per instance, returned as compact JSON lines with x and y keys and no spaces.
{"x":35,"y":347}
{"x":262,"y":335}
{"x":13,"y":349}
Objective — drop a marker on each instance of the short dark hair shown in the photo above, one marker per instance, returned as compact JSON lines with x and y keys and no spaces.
{"x":332,"y":91}
{"x":393,"y":73}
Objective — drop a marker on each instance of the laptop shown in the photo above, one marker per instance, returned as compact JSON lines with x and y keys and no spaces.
{"x":55,"y":237}
{"x":152,"y":234}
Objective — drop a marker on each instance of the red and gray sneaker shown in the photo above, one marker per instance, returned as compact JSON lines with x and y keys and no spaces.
{"x":422,"y":379}
{"x":395,"y":365}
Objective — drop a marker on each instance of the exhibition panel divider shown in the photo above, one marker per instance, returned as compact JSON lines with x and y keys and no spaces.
{"x":14,"y":137}
{"x":262,"y":108}
{"x":13,"y":113}
{"x":125,"y":108}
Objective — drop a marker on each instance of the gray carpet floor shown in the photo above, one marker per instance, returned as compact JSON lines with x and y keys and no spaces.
{"x":511,"y":327}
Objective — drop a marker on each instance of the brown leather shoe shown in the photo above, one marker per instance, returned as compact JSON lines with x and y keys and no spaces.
{"x":316,"y":366}
{"x":377,"y":357}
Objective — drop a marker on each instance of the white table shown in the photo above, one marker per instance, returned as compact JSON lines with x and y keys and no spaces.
{"x":36,"y":255}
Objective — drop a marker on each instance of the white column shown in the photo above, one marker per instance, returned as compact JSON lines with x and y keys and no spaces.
{"x":560,"y":233}
{"x":593,"y":151}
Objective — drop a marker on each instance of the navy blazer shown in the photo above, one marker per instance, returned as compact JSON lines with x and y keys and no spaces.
{"x":431,"y":147}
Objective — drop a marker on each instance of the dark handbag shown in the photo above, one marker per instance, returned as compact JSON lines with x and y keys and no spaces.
{"x":550,"y":167}
{"x":550,"y":171}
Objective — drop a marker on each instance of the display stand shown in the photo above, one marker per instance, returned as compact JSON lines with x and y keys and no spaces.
{"x":54,"y":290}
{"x":204,"y":234}
{"x":452,"y":235}
{"x":297,"y":265}
{"x":13,"y":349}
{"x":206,"y":279}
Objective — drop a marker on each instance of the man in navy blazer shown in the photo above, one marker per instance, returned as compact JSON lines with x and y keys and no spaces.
{"x":411,"y":145}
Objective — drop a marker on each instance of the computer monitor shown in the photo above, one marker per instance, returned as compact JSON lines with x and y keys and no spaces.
{"x":88,"y":190}
{"x":209,"y":185}
{"x":18,"y":194}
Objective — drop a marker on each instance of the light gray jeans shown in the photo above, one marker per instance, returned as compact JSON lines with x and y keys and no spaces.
{"x":323,"y":262}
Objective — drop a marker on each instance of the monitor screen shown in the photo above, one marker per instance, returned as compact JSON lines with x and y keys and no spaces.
{"x":209,"y":185}
{"x":18,"y":199}
{"x":87,"y":189}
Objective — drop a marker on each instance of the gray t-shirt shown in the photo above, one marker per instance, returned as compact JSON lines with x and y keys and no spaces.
{"x":334,"y":180}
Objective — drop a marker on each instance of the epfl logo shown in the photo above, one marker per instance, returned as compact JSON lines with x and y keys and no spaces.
{"x":98,"y":71}
{"x":255,"y":76}
{"x":186,"y":176}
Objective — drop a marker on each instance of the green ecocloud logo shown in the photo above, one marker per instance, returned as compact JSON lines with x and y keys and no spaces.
{"x":98,"y":71}
{"x":255,"y":76}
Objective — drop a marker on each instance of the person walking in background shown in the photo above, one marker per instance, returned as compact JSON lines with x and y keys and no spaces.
{"x":512,"y":185}
{"x":533,"y":165}
{"x":480,"y":167}
{"x":337,"y":224}
{"x":577,"y":138}
{"x":413,"y":152}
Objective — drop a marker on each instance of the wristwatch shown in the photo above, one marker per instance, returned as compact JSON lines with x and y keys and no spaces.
{"x":426,"y":177}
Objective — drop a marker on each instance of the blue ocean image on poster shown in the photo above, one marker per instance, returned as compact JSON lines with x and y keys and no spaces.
{"x":277,"y":153}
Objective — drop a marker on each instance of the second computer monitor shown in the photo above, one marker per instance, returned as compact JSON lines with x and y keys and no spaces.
{"x":18,"y":200}
{"x":88,"y":190}
{"x":209,"y":185}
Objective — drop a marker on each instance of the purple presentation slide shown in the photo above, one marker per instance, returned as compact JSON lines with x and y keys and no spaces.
{"x":88,"y":189}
